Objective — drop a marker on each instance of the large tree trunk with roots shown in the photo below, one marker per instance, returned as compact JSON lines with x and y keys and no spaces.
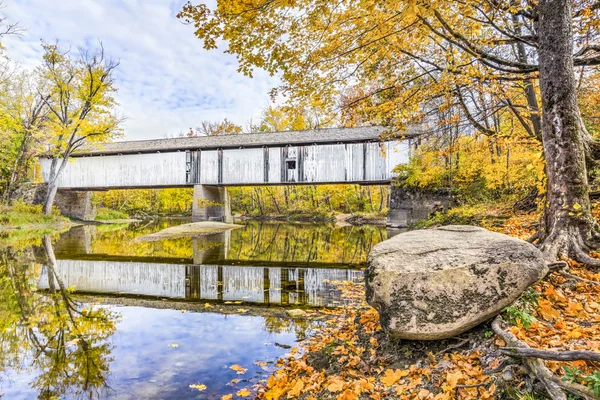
{"x":568,"y":227}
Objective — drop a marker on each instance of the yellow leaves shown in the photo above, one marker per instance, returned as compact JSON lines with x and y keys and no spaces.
{"x":238,"y":369}
{"x":227,"y":397}
{"x":198,"y":386}
{"x":243,"y":393}
{"x":174,"y":345}
{"x":348,"y":394}
{"x":410,"y":9}
{"x":261,"y":364}
{"x":575,"y":309}
{"x":336,"y":384}
{"x":390,"y":376}
{"x":453,"y":378}
{"x":547,"y":311}
{"x":296,"y":389}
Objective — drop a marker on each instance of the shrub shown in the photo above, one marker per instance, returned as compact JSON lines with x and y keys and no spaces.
{"x":107,"y":214}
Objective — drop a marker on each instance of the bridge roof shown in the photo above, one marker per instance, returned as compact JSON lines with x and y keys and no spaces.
{"x":320,"y":136}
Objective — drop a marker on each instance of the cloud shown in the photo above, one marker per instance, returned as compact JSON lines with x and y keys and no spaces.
{"x":167,"y":82}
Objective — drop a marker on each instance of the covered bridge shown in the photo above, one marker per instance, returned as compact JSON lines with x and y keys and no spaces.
{"x":211,"y":163}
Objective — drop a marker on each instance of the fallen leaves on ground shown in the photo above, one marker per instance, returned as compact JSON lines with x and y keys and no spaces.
{"x":346,"y":358}
{"x":568,"y":318}
{"x":357,"y":368}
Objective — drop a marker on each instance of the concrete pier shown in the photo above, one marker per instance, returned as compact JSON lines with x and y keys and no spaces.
{"x":409,"y":205}
{"x":76,"y":204}
{"x":211,"y":203}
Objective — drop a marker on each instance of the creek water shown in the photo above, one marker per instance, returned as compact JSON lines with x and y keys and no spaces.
{"x":92,"y":313}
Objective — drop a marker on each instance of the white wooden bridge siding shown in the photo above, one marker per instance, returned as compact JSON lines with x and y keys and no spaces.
{"x":240,"y":283}
{"x":128,"y":170}
{"x":243,"y":166}
{"x":319,"y":163}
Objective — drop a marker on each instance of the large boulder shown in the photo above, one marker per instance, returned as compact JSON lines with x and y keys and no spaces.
{"x":437,"y":283}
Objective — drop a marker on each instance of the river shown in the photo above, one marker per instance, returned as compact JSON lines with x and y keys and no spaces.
{"x":91,"y":313}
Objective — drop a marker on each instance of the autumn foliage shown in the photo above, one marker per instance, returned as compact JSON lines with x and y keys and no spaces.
{"x":348,"y":357}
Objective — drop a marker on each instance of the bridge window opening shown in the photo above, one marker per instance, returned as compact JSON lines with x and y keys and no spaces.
{"x":290,"y":164}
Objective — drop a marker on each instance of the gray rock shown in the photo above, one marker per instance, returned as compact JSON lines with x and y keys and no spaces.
{"x":437,"y":283}
{"x":296,"y":313}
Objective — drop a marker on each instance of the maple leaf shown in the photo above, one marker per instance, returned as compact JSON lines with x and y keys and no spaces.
{"x":239,"y":369}
{"x":546,"y":310}
{"x":296,"y":389}
{"x":348,"y":394}
{"x":336,"y":384}
{"x":243,"y":393}
{"x":453,"y":377}
{"x":227,"y":397}
{"x":390,"y":376}
{"x":198,"y":386}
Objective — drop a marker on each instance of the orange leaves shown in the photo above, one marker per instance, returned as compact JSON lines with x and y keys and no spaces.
{"x":336,"y":384}
{"x":296,"y":389}
{"x":575,"y":310}
{"x":390,"y":376}
{"x":239,"y":369}
{"x":547,"y":311}
{"x":348,"y":394}
{"x":453,"y":378}
{"x":345,"y":340}
{"x":243,"y":393}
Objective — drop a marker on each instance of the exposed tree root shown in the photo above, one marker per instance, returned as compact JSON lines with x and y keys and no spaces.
{"x":572,"y":243}
{"x":555,"y":387}
{"x":551,"y":355}
{"x":557,"y":266}
{"x":583,"y":257}
{"x":578,"y":278}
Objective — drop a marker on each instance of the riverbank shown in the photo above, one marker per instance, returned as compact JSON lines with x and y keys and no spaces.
{"x":348,"y":356}
{"x":21,"y":216}
{"x":350,"y":219}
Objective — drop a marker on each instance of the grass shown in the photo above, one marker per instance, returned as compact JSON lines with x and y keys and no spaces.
{"x":469,"y":215}
{"x":22,"y":216}
{"x":107,"y":214}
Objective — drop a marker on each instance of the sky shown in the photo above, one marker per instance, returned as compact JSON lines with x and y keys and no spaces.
{"x":166,"y":81}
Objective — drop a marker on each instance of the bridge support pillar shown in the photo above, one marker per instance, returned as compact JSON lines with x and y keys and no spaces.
{"x":411,"y":205}
{"x":211,"y":203}
{"x":75,"y":204}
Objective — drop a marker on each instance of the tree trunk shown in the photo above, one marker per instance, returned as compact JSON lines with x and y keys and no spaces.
{"x":50,"y":196}
{"x":568,"y":223}
{"x":53,"y":183}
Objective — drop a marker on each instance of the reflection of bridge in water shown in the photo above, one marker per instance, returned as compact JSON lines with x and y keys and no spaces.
{"x":267,"y":263}
{"x":264,"y":285}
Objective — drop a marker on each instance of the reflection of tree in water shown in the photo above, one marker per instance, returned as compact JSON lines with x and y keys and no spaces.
{"x":304,"y":242}
{"x":276,"y":324}
{"x":52,"y":333}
